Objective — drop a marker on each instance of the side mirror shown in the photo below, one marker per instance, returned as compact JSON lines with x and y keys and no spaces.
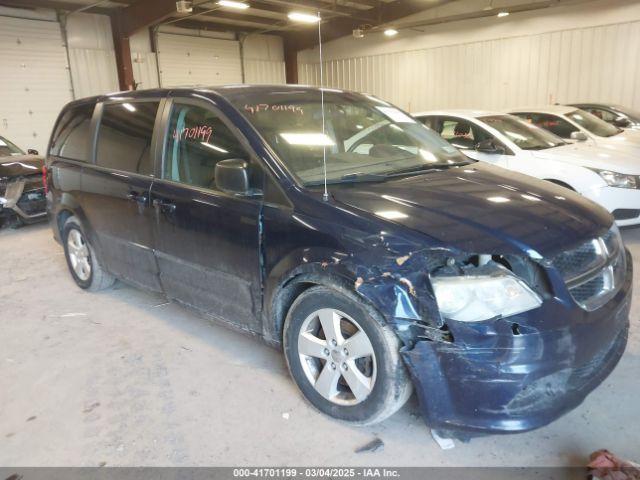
{"x":32,"y":151}
{"x":232,"y":176}
{"x":487,"y":146}
{"x":579,"y":136}
{"x":621,"y":122}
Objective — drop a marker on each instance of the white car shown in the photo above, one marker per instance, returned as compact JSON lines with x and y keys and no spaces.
{"x":575,"y":125}
{"x":608,"y":178}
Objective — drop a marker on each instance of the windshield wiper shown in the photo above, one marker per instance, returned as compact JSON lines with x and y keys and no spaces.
{"x":434,"y":167}
{"x":353,"y":177}
{"x":362,"y":177}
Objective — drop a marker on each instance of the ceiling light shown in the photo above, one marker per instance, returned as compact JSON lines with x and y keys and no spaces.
{"x":391,"y":32}
{"x":498,"y":199}
{"x":129,"y":107}
{"x":184,"y":6}
{"x":214,"y":147}
{"x":503,"y":14}
{"x":232,"y":4}
{"x":308,"y":139}
{"x":391,"y":214}
{"x":303,"y":17}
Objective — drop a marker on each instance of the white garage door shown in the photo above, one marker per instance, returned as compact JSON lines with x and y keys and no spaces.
{"x":34,"y":80}
{"x":186,"y":60}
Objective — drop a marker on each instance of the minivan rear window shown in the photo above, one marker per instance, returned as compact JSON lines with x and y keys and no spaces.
{"x":124,"y":136}
{"x":71,"y":138}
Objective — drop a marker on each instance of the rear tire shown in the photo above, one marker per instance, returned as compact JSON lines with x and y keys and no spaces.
{"x":82,"y":260}
{"x":361,"y":380}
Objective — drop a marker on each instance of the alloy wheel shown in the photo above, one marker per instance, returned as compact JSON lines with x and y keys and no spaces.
{"x":79,"y":254}
{"x":337,"y":357}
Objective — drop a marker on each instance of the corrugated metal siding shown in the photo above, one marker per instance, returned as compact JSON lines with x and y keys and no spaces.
{"x":264,"y":71}
{"x":187,"y":60}
{"x":91,"y":54}
{"x":34,"y":80}
{"x":145,"y":71}
{"x":94,"y":71}
{"x":588,"y":64}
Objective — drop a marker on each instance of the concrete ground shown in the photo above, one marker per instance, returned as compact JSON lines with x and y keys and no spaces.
{"x":123,"y":378}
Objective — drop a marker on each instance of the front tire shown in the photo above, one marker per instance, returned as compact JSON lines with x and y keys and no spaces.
{"x":82,"y":260}
{"x":345,"y":362}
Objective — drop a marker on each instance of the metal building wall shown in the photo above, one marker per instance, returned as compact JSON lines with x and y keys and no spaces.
{"x":598,"y":63}
{"x":264,"y":71}
{"x":91,"y":54}
{"x":143,"y":61}
{"x":264,"y":59}
{"x":191,"y":60}
{"x":34,"y":79}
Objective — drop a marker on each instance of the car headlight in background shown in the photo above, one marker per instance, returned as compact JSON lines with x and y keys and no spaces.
{"x":619,"y":180}
{"x":482,"y":297}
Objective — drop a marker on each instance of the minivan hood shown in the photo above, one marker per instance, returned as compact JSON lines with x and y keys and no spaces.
{"x":20,"y":165}
{"x":481,"y":208}
{"x":591,"y":156}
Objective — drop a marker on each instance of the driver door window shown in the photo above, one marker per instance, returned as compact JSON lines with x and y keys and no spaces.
{"x":461,"y":133}
{"x":458,"y":133}
{"x":197,"y":140}
{"x":605,"y":115}
{"x":551,"y":123}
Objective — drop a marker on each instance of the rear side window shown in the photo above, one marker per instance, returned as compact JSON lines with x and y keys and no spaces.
{"x":124,"y":136}
{"x":71,"y":138}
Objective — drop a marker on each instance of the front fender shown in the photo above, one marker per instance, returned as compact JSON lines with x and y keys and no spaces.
{"x":397,"y":286}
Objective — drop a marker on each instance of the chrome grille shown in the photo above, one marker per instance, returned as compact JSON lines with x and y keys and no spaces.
{"x":594,"y":271}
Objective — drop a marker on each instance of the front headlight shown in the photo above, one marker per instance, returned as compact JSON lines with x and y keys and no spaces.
{"x":619,"y":180}
{"x":477,"y":298}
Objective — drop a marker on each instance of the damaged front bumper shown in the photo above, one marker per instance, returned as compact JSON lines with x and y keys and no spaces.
{"x":24,"y":198}
{"x":521,"y":372}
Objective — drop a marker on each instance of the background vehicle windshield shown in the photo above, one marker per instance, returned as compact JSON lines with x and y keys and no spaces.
{"x":634,"y":115}
{"x":364,"y":137}
{"x":8,"y":149}
{"x":525,"y":135}
{"x":593,"y":123}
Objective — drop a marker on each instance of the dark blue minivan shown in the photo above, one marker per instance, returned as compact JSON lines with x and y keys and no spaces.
{"x":335,"y":226}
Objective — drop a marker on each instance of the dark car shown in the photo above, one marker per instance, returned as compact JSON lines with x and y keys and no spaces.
{"x":22,"y":197}
{"x":501,"y":299}
{"x":617,"y":115}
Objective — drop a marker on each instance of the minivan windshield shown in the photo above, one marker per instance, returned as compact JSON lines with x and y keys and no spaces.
{"x":365,"y":139}
{"x":593,"y":124}
{"x":8,"y":149}
{"x":525,"y":135}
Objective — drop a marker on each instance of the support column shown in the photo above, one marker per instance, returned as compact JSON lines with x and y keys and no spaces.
{"x":290,"y":60}
{"x":123,"y":53}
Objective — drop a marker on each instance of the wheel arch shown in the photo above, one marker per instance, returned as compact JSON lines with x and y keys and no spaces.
{"x":301,"y":279}
{"x":560,"y":183}
{"x":69,"y":207}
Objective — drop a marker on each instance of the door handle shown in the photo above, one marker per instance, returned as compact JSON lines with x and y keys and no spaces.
{"x":141,"y":198}
{"x":164,"y":205}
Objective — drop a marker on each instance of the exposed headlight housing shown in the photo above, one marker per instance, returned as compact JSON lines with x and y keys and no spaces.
{"x":618,"y":180}
{"x":482,"y":297}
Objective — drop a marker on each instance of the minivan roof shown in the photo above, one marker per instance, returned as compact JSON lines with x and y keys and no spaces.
{"x":227,"y":91}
